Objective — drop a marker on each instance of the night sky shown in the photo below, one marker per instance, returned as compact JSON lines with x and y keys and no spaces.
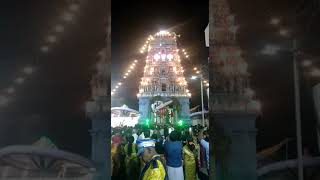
{"x":51,"y":101}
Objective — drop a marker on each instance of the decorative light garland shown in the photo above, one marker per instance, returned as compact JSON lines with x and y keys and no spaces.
{"x":146,"y":47}
{"x":131,"y":68}
{"x":68,"y":16}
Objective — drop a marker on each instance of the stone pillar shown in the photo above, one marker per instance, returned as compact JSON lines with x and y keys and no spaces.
{"x":100,"y":148}
{"x":240,"y":161}
{"x":144,"y":108}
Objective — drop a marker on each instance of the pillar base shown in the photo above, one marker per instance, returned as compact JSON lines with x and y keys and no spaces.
{"x":240,"y":161}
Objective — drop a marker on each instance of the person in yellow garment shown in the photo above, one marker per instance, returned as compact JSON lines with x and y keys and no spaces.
{"x":131,"y":159}
{"x":189,"y":159}
{"x":153,"y":168}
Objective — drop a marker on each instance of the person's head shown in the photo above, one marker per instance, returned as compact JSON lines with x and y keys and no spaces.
{"x":139,"y":132}
{"x":174,"y":136}
{"x":190,"y":143}
{"x":146,"y":133}
{"x":148,"y":153}
{"x":130,"y":139}
{"x":116,"y":139}
{"x":154,"y":136}
{"x":146,"y":149}
{"x":206,"y":136}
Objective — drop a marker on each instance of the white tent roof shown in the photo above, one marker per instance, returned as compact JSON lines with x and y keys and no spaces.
{"x":124,"y":108}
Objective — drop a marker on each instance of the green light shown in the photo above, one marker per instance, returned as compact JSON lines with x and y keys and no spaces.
{"x":147,"y":122}
{"x":180,"y":123}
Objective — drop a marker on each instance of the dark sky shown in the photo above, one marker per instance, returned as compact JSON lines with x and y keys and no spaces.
{"x":134,"y":21}
{"x":51,"y":101}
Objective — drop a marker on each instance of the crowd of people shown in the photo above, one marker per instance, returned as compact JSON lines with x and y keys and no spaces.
{"x":140,"y":153}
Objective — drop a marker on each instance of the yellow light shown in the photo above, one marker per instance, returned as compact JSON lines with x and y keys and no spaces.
{"x":117,"y":87}
{"x":119,"y":83}
{"x":207,"y":84}
{"x":195,"y":68}
{"x":135,"y":60}
{"x":124,"y":77}
{"x":129,"y":71}
{"x":204,"y":81}
{"x":198,"y":72}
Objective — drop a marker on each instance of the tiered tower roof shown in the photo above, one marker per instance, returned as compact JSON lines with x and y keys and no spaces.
{"x":163,"y":73}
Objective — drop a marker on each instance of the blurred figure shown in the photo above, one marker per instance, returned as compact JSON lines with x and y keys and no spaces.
{"x":131,"y":159}
{"x":153,"y":168}
{"x":141,"y":135}
{"x":189,"y":159}
{"x":146,"y":134}
{"x":135,"y":135}
{"x":173,"y":154}
{"x":203,"y":138}
{"x":116,"y":156}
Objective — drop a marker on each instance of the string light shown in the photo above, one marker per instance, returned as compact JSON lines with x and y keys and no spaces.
{"x":52,"y":38}
{"x":19,"y":80}
{"x":28,"y":70}
{"x":68,"y":16}
{"x":59,"y":28}
{"x":44,"y":49}
{"x":74,"y":7}
{"x":130,"y":69}
{"x":3,"y":100}
{"x":10,"y":90}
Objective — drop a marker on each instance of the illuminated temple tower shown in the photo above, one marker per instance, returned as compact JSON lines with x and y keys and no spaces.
{"x":163,"y":83}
